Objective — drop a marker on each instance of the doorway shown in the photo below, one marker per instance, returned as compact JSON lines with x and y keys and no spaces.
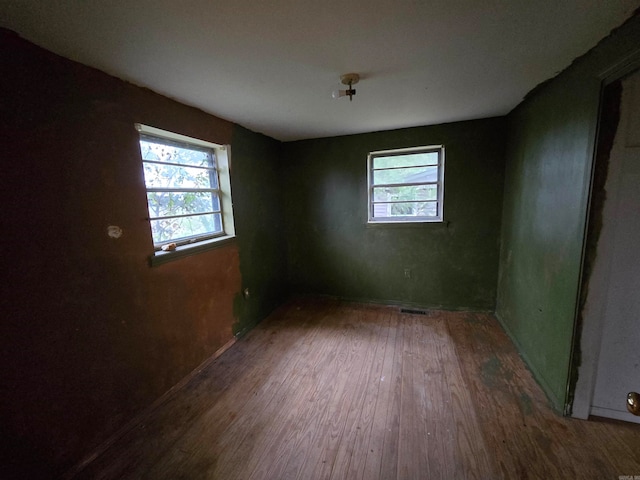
{"x":610,"y":343}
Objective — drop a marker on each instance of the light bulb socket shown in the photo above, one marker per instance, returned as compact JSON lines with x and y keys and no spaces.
{"x":349,"y":80}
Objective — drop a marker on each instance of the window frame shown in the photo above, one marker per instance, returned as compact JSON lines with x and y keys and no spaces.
{"x":221,"y":168}
{"x":438,"y":218}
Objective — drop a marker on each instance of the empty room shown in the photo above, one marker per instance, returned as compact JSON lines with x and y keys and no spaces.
{"x":320,"y":240}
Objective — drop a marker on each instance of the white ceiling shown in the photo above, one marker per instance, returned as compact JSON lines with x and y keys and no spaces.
{"x":271,"y":65}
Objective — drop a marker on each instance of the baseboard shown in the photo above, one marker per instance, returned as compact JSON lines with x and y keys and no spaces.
{"x":144,"y":414}
{"x":397,"y":304}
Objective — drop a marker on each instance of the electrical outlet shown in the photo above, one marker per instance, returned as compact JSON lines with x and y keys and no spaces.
{"x":407,"y":273}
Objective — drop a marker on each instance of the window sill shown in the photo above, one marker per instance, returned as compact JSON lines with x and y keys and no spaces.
{"x":160,"y":257}
{"x":407,"y":224}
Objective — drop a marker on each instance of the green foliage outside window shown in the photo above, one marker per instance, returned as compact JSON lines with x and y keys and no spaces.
{"x":182,"y":190}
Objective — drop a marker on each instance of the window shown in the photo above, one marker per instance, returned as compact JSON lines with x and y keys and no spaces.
{"x":406,"y":185}
{"x":188,"y":189}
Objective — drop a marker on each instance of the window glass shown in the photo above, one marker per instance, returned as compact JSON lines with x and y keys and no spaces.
{"x":406,"y":185}
{"x":184,"y":194}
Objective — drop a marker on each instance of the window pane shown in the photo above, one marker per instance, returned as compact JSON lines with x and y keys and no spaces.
{"x":405,"y":175}
{"x":164,"y":204}
{"x":171,"y":229}
{"x":415,"y":192}
{"x":171,"y":176}
{"x":408,"y":160}
{"x":410,"y":209}
{"x":168,"y":153}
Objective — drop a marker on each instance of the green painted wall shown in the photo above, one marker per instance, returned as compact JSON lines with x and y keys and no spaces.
{"x":332,"y":251}
{"x":259,"y":226}
{"x":548,"y":169}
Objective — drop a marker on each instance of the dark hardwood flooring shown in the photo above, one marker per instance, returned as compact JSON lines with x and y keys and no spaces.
{"x":330,"y":390}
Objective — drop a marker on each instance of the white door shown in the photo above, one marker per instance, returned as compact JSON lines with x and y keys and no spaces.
{"x":618,"y":255}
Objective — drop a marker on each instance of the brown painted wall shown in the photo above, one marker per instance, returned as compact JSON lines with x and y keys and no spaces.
{"x":91,"y":335}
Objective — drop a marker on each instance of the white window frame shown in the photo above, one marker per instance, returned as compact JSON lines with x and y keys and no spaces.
{"x":439,"y":217}
{"x":222,"y":166}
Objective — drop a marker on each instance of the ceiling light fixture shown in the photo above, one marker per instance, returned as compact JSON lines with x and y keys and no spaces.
{"x":349,"y":79}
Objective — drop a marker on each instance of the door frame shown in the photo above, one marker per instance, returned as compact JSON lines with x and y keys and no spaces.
{"x":589,"y":323}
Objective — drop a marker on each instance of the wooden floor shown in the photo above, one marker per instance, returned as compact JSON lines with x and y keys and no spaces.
{"x":330,"y":390}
